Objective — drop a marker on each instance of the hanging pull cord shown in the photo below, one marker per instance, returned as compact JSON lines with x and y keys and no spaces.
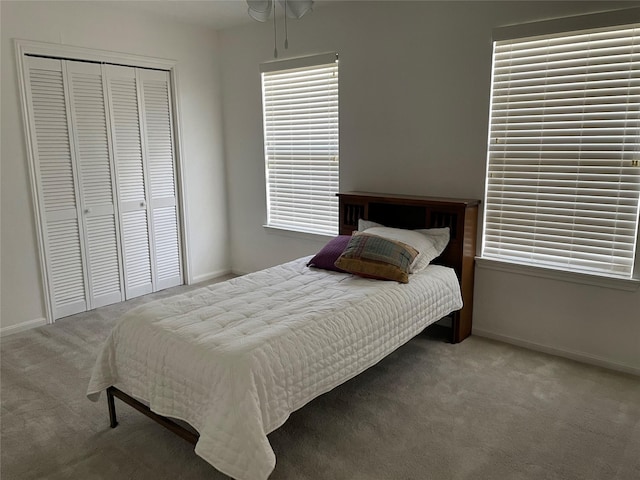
{"x":286,"y":33}
{"x":275,"y":34}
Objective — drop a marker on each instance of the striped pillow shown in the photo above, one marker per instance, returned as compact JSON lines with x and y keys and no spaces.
{"x":377,"y":257}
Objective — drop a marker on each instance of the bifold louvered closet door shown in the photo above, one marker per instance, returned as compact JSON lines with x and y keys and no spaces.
{"x":57,"y":190}
{"x":143,"y":142}
{"x":157,"y":122}
{"x":96,"y":186}
{"x":132,"y":178}
{"x":105,"y":179}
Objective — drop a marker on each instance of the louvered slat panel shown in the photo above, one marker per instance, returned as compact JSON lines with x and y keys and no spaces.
{"x":126,"y":138}
{"x":65,"y":262}
{"x":103,"y":255}
{"x":136,"y":252}
{"x":159,"y":137}
{"x":166,"y":242}
{"x":52,"y":139}
{"x":91,"y":137}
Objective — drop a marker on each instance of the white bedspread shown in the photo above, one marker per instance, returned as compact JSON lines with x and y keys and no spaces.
{"x":236,"y":358}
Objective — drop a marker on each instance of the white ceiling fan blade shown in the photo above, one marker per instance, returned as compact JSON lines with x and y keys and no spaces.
{"x":260,"y":9}
{"x":296,"y":8}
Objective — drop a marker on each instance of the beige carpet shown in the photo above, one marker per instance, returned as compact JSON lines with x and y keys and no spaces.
{"x":432,"y":410}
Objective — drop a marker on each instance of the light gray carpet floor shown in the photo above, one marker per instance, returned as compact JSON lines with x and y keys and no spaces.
{"x":431,"y":410}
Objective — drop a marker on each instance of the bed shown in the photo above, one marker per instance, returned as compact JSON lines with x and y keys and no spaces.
{"x":235,"y":359}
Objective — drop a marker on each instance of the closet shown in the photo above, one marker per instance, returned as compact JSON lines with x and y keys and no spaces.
{"x":104,"y":171}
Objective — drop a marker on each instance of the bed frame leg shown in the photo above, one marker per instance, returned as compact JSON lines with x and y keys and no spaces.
{"x":455,"y":327}
{"x":113,"y":420}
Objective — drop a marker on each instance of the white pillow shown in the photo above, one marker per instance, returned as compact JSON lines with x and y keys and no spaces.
{"x":364,"y":224}
{"x":440,"y":238}
{"x":428,"y":242}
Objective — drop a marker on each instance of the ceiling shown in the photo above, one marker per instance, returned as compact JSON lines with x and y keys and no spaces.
{"x":217,"y":14}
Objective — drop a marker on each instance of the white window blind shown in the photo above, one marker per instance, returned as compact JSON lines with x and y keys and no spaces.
{"x":301,"y":145}
{"x":563,"y":175}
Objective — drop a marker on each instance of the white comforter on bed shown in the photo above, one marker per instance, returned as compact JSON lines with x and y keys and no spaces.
{"x":236,"y":358}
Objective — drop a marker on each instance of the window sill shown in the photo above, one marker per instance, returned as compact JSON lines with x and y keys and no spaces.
{"x":627,"y":284}
{"x":321,"y":237}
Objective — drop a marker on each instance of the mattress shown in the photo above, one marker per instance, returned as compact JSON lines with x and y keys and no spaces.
{"x":235,"y":359}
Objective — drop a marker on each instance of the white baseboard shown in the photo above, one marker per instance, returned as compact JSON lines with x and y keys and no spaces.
{"x":210,"y":276}
{"x":578,"y":356}
{"x":22,"y":327}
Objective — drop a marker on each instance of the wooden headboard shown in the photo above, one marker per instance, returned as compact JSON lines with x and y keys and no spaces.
{"x":412,"y":212}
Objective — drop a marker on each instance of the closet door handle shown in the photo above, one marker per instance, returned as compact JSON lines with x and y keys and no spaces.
{"x":87,"y":210}
{"x":143,"y":204}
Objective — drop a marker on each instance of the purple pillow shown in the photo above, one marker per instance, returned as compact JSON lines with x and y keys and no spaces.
{"x":326,"y":257}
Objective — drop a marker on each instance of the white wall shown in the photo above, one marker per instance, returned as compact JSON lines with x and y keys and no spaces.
{"x":88,"y":25}
{"x":414,"y":102}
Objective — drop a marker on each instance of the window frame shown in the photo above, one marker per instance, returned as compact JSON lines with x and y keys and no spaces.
{"x":549,"y":27}
{"x":328,"y":154}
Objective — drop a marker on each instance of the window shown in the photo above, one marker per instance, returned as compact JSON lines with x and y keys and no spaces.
{"x":301,"y":143}
{"x":563,"y":174}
